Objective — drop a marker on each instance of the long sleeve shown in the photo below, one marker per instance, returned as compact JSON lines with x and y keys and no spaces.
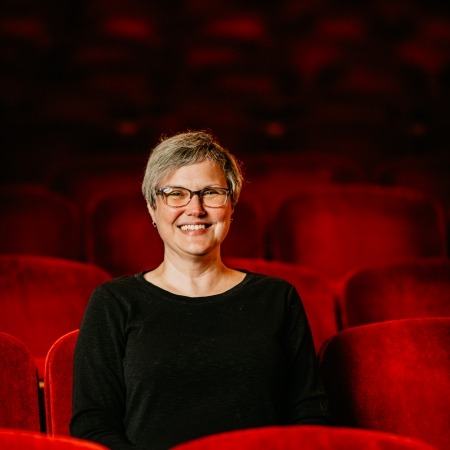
{"x":306,"y":401}
{"x":99,"y":388}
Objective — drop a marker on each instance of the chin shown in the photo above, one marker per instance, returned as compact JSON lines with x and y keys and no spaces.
{"x":201,"y":251}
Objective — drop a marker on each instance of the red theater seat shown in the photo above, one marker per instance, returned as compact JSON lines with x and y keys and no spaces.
{"x":118,"y":37}
{"x":319,"y":299}
{"x":21,"y":440}
{"x":428,"y":55}
{"x":303,"y":437}
{"x":428,"y":174}
{"x":312,"y":166}
{"x":417,"y":288}
{"x":243,"y":35}
{"x":246,"y":238}
{"x":307,"y":57}
{"x":335,"y":229}
{"x":42,"y":298}
{"x":368,"y":79}
{"x":273,"y":178}
{"x":347,"y":29}
{"x":81,"y":178}
{"x":18,"y":386}
{"x":37,"y":221}
{"x":58,"y":384}
{"x":225,"y":115}
{"x":119,"y":233}
{"x":391,"y":376}
{"x":360,"y":127}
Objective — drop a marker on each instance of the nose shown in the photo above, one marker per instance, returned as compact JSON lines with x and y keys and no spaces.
{"x":195,"y":206}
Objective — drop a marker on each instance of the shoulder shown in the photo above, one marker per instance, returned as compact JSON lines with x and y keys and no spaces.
{"x":116,"y":286}
{"x":121,"y":290}
{"x":270,"y":287}
{"x":116,"y":299}
{"x":271,"y":297}
{"x":263,"y":280}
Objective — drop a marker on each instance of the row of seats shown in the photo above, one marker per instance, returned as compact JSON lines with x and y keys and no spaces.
{"x":16,"y":439}
{"x":42,"y":298}
{"x":418,"y":287}
{"x":116,"y":76}
{"x":304,"y":438}
{"x":330,"y":227}
{"x":196,"y":32}
{"x":294,"y":437}
{"x":80,"y":177}
{"x":355,"y":365}
{"x":263,"y":35}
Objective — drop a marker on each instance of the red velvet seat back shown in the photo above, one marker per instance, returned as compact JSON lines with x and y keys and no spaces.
{"x":42,"y":298}
{"x":83,"y":177}
{"x":303,"y":437}
{"x":428,"y":173}
{"x":58,"y":384}
{"x":335,"y":229}
{"x":273,"y":178}
{"x":119,"y":233}
{"x":415,"y":288}
{"x":37,"y":221}
{"x":246,"y":238}
{"x":18,"y":386}
{"x":20,"y":440}
{"x":392,"y":376}
{"x":319,"y":299}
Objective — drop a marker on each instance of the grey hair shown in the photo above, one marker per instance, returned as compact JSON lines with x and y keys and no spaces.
{"x":188,"y":148}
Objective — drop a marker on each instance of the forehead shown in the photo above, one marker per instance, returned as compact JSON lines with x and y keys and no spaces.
{"x":196,"y":176}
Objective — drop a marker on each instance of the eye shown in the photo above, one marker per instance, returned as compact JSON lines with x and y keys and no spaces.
{"x":211,"y":191}
{"x":176,"y":193}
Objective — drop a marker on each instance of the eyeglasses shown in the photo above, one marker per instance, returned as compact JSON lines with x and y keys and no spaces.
{"x":177,"y":197}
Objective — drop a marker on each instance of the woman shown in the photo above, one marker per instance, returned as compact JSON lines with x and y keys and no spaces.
{"x":192,"y":347}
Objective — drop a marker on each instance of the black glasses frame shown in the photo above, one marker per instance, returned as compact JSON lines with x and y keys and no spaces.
{"x":200,"y":193}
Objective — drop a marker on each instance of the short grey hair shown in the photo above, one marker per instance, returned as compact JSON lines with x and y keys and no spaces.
{"x":188,"y":148}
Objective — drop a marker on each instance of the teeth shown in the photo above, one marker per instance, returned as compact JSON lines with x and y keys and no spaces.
{"x":192,"y":227}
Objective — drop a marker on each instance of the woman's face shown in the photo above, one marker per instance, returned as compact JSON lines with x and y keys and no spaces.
{"x":193,"y":229}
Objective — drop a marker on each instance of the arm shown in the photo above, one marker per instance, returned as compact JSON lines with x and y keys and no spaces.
{"x":306,"y":401}
{"x":98,"y":384}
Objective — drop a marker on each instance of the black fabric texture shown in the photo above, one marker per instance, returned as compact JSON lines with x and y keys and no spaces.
{"x":153,"y":369}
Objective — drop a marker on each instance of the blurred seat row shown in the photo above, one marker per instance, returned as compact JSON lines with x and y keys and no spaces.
{"x":88,"y":32}
{"x":17,"y":439}
{"x":270,"y":438}
{"x":42,"y":298}
{"x":296,"y":437}
{"x":355,"y":365}
{"x":369,"y":260}
{"x":90,"y":76}
{"x":320,"y":211}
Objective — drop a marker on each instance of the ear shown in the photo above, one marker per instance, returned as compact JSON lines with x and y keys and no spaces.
{"x":151,"y":211}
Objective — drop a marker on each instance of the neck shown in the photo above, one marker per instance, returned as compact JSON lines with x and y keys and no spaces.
{"x":193,"y":278}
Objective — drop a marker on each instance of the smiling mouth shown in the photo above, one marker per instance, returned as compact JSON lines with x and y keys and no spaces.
{"x":193,"y":227}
